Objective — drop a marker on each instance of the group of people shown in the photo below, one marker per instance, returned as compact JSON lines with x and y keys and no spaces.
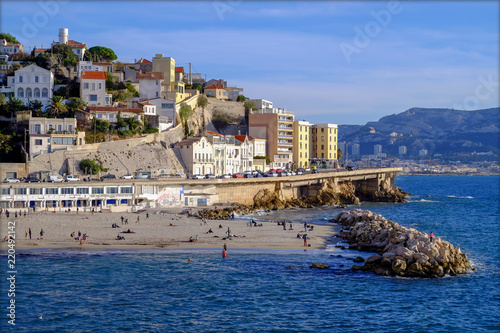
{"x":28,"y":233}
{"x":16,"y":213}
{"x":81,"y":237}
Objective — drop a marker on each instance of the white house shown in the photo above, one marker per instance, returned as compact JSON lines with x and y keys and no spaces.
{"x":165,"y":111}
{"x":10,"y":48}
{"x":151,"y":85}
{"x":77,"y":47}
{"x":31,"y":83}
{"x":51,"y":134}
{"x":84,"y":66}
{"x":197,"y":154}
{"x":246,"y":157}
{"x":93,"y":89}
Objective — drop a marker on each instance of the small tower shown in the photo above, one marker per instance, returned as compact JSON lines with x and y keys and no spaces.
{"x":63,"y":36}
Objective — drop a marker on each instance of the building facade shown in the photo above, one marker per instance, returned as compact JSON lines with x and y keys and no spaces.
{"x":325,"y":143}
{"x":301,"y":143}
{"x":197,"y":154}
{"x":151,"y":85}
{"x":93,"y":89}
{"x":32,"y":83}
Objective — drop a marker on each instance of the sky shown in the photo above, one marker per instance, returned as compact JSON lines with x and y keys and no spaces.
{"x":326,"y":61}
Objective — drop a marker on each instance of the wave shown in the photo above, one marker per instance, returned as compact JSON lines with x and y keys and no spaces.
{"x":422,"y":200}
{"x":465,"y":197}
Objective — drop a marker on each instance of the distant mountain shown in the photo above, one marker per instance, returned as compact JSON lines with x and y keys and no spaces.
{"x":441,"y":131}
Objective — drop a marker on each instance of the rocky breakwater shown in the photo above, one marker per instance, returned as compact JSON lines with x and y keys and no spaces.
{"x":400,"y":251}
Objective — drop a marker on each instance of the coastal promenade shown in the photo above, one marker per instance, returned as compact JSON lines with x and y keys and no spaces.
{"x":136,"y":194}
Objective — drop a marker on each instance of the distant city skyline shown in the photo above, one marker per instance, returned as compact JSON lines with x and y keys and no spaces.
{"x":336,"y":62}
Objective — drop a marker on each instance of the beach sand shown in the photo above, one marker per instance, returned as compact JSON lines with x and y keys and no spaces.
{"x":165,"y":228}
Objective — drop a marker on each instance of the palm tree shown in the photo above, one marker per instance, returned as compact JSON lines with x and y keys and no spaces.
{"x":56,"y":106}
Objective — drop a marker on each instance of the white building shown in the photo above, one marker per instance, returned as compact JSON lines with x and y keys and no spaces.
{"x":355,"y":149}
{"x":89,"y":66}
{"x":30,"y":83}
{"x":77,"y":47}
{"x":93,"y":89}
{"x":50,"y":134}
{"x":10,"y":48}
{"x":263,"y":105}
{"x":246,"y":149}
{"x":423,"y":152}
{"x":402,"y":150}
{"x":151,"y":85}
{"x":377,"y":150}
{"x":197,"y":154}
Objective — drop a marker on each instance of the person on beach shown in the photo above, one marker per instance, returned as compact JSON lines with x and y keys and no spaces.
{"x":232,"y":216}
{"x":25,"y":234}
{"x":41,"y":234}
{"x":122,"y":218}
{"x":147,"y":215}
{"x":225,"y":246}
{"x":305,"y":239}
{"x":224,"y":253}
{"x":305,"y":226}
{"x":431,"y":236}
{"x":138,"y":218}
{"x":126,"y":221}
{"x":15,"y":214}
{"x":29,"y":232}
{"x":79,"y":235}
{"x":284,"y":226}
{"x":291,"y":227}
{"x":92,"y":211}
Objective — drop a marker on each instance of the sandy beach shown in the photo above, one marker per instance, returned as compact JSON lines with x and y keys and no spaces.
{"x":166,"y":228}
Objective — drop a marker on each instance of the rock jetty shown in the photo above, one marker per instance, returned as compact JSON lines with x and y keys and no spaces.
{"x":400,"y":251}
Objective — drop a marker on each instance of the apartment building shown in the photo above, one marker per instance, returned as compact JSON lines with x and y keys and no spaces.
{"x":302,"y":140}
{"x":325,"y":143}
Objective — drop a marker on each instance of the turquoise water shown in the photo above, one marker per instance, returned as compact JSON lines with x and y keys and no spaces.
{"x":274,"y":290}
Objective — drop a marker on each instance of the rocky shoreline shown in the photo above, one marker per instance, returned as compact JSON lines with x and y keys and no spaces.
{"x":328,"y":194}
{"x":400,"y":251}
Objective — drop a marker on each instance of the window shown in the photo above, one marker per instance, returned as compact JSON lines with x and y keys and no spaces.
{"x":36,"y":79}
{"x":93,"y":98}
{"x":20,"y":78}
{"x":67,"y":190}
{"x":51,"y":190}
{"x":28,"y":93}
{"x":5,"y":191}
{"x":22,"y":191}
{"x":36,"y":191}
{"x":157,"y":82}
{"x":82,"y":190}
{"x":100,"y":86}
{"x":70,"y":128}
{"x":38,"y":142}
{"x":37,"y":129}
{"x":156,"y":94}
{"x":63,"y":141}
{"x":93,"y":86}
{"x":167,"y":105}
{"x":322,"y":130}
{"x":20,"y":92}
{"x":36,"y":92}
{"x":86,"y":85}
{"x":111,"y":190}
{"x":98,"y":190}
{"x":45,"y":92}
{"x":99,"y":116}
{"x":59,"y":128}
{"x":128,"y":189}
{"x":322,"y":147}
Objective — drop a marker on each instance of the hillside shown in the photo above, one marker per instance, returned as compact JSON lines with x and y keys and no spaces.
{"x":440,"y":131}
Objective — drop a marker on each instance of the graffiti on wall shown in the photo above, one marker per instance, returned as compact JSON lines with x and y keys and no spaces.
{"x":170,"y":197}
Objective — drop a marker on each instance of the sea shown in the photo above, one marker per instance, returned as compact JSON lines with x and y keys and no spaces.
{"x":160,"y":290}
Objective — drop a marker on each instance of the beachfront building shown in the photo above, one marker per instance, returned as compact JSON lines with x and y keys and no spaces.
{"x":276,"y":127}
{"x":30,"y":83}
{"x":151,"y":85}
{"x":302,"y":140}
{"x":93,"y":88}
{"x":197,"y":154}
{"x":246,"y":152}
{"x":324,"y":144}
{"x":47,"y":135}
{"x":226,"y":153}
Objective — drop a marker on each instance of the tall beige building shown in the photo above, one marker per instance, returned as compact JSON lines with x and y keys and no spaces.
{"x":301,"y":143}
{"x":276,"y":127}
{"x":325,"y":143}
{"x":166,"y":65}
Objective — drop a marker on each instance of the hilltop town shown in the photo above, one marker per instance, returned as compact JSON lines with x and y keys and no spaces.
{"x":74,"y":110}
{"x":84,"y":113}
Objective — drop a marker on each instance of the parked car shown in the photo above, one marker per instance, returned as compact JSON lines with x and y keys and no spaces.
{"x":127,"y":177}
{"x":56,"y":179}
{"x":272,"y":174}
{"x":108,"y":177}
{"x":11,"y":180}
{"x":71,"y":178}
{"x":210,"y":176}
{"x":258,"y":175}
{"x":238,"y":175}
{"x":32,"y":180}
{"x":180,"y":175}
{"x":300,"y":171}
{"x":315,"y":171}
{"x":247,"y":174}
{"x":307,"y":169}
{"x":197,"y":176}
{"x":349,"y":168}
{"x":226,"y":176}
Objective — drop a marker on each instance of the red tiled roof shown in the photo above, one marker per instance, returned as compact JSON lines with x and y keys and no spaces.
{"x":95,"y":75}
{"x":213,"y":133}
{"x":75,"y":44}
{"x":144,"y":103}
{"x":113,"y":109}
{"x":214,"y":86}
{"x":151,"y":75}
{"x":240,"y":137}
{"x":179,"y":69}
{"x":143,"y":61}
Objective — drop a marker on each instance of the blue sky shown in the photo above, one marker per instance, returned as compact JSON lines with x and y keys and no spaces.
{"x":327,"y":61}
